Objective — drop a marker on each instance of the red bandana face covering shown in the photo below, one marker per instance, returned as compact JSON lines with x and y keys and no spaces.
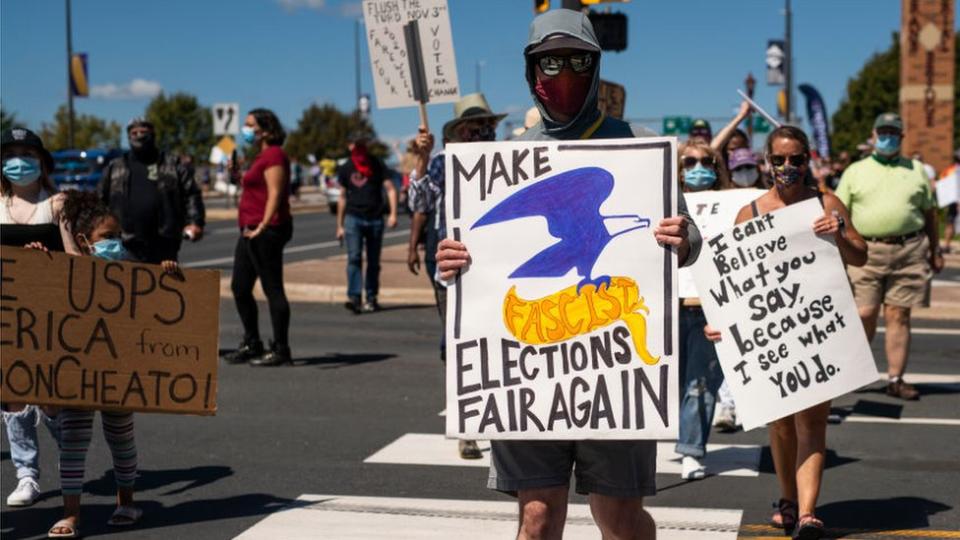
{"x":564,"y":93}
{"x":361,"y":159}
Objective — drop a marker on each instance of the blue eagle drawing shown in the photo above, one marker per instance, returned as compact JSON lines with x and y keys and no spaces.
{"x":570,"y":202}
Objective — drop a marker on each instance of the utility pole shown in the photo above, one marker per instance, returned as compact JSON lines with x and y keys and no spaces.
{"x":750,"y":84}
{"x":480,"y":64}
{"x":356,"y":57}
{"x":788,"y":63}
{"x":69,"y":80}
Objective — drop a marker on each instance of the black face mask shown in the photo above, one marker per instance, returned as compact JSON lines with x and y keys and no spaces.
{"x":145,"y":143}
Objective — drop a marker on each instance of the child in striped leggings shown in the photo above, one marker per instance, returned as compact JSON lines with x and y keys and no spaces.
{"x":95,"y":232}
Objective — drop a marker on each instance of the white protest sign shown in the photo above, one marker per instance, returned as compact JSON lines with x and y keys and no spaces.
{"x":948,"y":189}
{"x":780,"y":297}
{"x":565,"y":324}
{"x":385,"y":21}
{"x":226,"y":118}
{"x":712,"y":211}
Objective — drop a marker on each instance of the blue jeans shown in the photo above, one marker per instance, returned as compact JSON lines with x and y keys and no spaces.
{"x":360,"y":231}
{"x":22,"y":434}
{"x":700,"y":379}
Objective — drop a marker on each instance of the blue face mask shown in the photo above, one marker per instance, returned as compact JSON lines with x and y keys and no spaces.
{"x":887,"y":145}
{"x":110,"y":249}
{"x":22,"y":171}
{"x":249,"y":134}
{"x":699,"y":178}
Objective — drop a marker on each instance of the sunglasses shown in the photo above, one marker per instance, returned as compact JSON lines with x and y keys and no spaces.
{"x":552,"y":65}
{"x":797,"y":160}
{"x":690,"y":162}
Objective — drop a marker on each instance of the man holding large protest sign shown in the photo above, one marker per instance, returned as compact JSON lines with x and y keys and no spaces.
{"x":790,"y":343}
{"x":562,"y":59}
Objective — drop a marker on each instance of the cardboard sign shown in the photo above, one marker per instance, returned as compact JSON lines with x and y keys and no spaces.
{"x":611,"y":99}
{"x":82,"y":332}
{"x":780,"y":296}
{"x":948,"y":189}
{"x":565,"y":324}
{"x":389,"y":24}
{"x":712,"y":211}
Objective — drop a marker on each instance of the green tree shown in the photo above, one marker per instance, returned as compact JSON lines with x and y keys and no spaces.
{"x":182,"y":125}
{"x":8,"y":120}
{"x":324,"y":131}
{"x":874,"y":90}
{"x":88,"y":131}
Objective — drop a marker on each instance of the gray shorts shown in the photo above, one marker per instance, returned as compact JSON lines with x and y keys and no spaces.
{"x":613,"y":468}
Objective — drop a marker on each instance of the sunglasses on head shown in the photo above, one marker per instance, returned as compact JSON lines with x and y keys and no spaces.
{"x":551,"y":65}
{"x":690,"y":162}
{"x":797,"y":160}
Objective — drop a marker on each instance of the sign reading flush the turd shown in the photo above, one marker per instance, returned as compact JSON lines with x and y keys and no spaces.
{"x":564,"y":325}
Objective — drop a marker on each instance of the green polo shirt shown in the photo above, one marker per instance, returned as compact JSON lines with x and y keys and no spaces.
{"x":886,"y":198}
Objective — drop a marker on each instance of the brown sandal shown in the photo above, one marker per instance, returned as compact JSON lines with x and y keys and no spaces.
{"x":785,"y":517}
{"x":809,"y":528}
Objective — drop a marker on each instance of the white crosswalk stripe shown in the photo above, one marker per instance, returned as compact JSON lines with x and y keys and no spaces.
{"x":435,"y":449}
{"x":372,"y":518}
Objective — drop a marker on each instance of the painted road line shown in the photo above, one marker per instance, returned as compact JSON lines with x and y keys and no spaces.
{"x":333,"y":516}
{"x":757,"y":532}
{"x":946,"y":283}
{"x":916,"y":421}
{"x":928,"y":331}
{"x":435,"y":449}
{"x":294,"y":249}
{"x":928,"y":378}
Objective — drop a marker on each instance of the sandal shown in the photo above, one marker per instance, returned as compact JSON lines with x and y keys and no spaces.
{"x":125,"y":516}
{"x":71,"y":528}
{"x":785,"y":517}
{"x":809,"y":528}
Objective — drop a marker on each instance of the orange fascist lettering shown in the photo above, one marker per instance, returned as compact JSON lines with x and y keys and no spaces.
{"x":568,"y":313}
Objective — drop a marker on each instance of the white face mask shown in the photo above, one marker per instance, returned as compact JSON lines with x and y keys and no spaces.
{"x":745,"y":177}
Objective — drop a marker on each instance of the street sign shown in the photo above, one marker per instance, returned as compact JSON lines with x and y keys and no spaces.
{"x":776,"y":60}
{"x":226,"y":118}
{"x":612,"y":99}
{"x":676,"y":125}
{"x":760,"y":124}
{"x":391,"y":30}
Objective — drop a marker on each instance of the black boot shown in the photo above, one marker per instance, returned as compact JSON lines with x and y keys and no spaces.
{"x":246,"y":351}
{"x":278,"y":355}
{"x":353,"y":305}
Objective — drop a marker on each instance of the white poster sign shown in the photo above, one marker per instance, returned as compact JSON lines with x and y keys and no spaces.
{"x":712,"y":211}
{"x":226,"y":118}
{"x":780,"y":297}
{"x":564,"y":326}
{"x":948,"y":189}
{"x":385,"y":21}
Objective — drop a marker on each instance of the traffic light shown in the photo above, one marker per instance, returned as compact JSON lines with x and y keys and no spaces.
{"x":611,"y":30}
{"x":539,"y":6}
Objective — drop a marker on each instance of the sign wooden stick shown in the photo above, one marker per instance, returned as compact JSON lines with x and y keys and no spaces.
{"x":759,"y":109}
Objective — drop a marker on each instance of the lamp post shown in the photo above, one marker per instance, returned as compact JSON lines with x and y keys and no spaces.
{"x":750,"y":83}
{"x":69,"y":80}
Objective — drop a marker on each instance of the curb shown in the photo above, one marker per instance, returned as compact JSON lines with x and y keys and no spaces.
{"x":230,"y":214}
{"x":337,"y":294}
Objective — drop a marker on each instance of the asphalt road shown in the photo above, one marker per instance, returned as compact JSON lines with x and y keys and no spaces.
{"x":361,"y":383}
{"x":314,"y":236}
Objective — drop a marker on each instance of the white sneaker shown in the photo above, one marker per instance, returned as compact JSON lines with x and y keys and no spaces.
{"x":726,"y":419}
{"x":26,"y":493}
{"x":692,"y":468}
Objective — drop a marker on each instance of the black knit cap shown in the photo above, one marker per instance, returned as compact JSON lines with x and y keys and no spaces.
{"x":25,"y":137}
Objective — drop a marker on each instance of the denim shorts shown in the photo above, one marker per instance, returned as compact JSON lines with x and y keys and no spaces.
{"x":612,"y":468}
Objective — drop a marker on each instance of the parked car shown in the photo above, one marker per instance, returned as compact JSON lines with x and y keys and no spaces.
{"x":81,"y":169}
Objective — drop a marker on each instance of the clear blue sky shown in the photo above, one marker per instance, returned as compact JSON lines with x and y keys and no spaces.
{"x":684,"y":57}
